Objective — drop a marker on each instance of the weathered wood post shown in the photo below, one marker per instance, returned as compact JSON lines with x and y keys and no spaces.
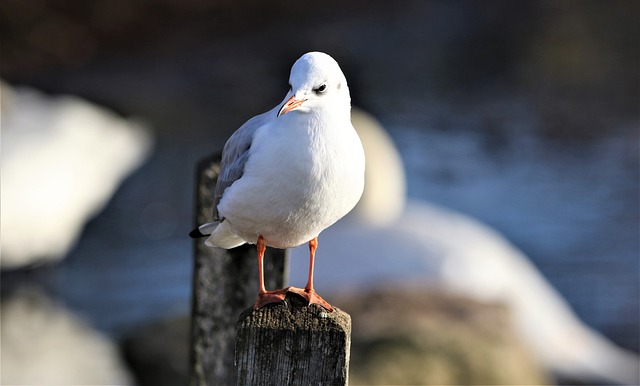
{"x":224,"y":284}
{"x":292,"y":343}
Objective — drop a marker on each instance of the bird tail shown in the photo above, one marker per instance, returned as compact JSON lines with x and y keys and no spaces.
{"x":219,"y":235}
{"x":204,"y":230}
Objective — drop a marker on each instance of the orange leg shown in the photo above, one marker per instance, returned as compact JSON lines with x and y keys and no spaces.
{"x":309,"y":293}
{"x":266,"y":297}
{"x":313,"y":245}
{"x":261,"y":248}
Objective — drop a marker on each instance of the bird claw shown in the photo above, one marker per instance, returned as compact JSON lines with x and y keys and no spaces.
{"x":311,"y":296}
{"x":269,"y":297}
{"x":278,"y":296}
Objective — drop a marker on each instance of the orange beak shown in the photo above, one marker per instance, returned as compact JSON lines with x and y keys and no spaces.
{"x":291,"y":104}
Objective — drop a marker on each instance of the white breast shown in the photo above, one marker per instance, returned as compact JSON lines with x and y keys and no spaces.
{"x":302,"y":176}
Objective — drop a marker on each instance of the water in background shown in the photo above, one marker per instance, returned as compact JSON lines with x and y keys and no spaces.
{"x":568,"y":208}
{"x":571,"y":209}
{"x":565,"y":192}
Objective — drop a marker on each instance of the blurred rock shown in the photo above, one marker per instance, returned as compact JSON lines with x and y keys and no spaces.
{"x":44,"y":344}
{"x":62,"y":160}
{"x":420,"y":336}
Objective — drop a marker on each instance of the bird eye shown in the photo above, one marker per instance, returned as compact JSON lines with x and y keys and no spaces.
{"x":320,"y":89}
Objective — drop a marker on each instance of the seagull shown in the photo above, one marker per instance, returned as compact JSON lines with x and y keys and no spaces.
{"x":289,"y":173}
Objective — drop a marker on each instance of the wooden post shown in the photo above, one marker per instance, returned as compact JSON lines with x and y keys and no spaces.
{"x":292,"y":343}
{"x":225,"y":282}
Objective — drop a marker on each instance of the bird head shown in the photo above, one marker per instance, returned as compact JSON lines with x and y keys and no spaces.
{"x":316,"y":82}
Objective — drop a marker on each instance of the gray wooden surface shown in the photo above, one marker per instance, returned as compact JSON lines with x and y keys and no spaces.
{"x":291,"y":343}
{"x":225,"y":282}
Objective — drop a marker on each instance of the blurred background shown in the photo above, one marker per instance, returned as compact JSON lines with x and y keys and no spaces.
{"x":523,"y":115}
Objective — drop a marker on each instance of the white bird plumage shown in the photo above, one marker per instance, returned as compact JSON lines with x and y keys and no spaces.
{"x":289,"y":173}
{"x":289,"y":176}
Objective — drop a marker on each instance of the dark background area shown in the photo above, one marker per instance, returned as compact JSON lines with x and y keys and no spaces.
{"x":546,"y":91}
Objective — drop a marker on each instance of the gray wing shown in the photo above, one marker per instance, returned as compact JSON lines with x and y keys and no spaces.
{"x":235,"y":154}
